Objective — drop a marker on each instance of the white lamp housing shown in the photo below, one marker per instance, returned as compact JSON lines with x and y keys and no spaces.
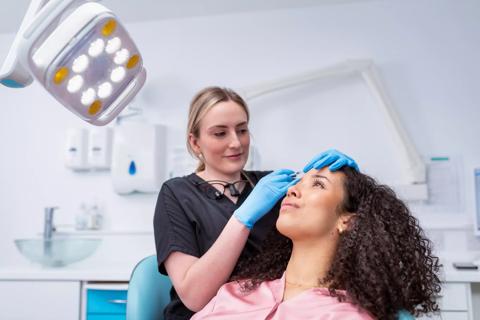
{"x":81,"y":54}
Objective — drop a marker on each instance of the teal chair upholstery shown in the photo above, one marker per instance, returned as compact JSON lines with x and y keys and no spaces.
{"x":148,"y":291}
{"x":405,"y":315}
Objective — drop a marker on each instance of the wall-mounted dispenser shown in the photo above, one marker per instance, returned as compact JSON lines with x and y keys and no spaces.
{"x":100,"y":148}
{"x":138,"y":159}
{"x":76,"y":149}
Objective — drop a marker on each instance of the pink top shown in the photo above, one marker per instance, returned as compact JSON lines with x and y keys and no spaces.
{"x":265,"y":302}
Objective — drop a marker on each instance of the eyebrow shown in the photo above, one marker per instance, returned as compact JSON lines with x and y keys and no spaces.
{"x":320,"y":176}
{"x":220,"y":126}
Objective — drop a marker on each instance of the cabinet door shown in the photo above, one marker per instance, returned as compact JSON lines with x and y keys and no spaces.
{"x":454,"y":296}
{"x":42,"y":300}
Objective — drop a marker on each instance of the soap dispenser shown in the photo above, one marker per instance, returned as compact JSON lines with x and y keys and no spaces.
{"x":76,"y":149}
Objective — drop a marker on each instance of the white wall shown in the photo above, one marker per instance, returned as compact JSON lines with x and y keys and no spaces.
{"x":426,"y":50}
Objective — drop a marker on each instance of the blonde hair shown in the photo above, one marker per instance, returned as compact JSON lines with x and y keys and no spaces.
{"x":201,"y":103}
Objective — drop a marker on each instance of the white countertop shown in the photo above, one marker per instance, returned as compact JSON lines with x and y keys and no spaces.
{"x":121,"y":272}
{"x":71,"y":273}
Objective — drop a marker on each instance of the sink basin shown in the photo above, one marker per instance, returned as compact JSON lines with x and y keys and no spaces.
{"x":57,"y":252}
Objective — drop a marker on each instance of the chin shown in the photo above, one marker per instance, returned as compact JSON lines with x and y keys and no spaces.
{"x":234,"y":167}
{"x":283,"y":226}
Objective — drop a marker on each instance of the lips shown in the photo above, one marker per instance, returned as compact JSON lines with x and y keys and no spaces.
{"x":234,"y":156}
{"x":288,"y":205}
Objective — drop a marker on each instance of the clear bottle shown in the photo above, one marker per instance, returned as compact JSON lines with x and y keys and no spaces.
{"x":96,"y":217}
{"x":81,"y":222}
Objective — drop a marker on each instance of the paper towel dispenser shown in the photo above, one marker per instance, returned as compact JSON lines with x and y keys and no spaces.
{"x":138,"y":157}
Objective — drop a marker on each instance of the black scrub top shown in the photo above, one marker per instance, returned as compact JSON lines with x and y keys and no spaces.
{"x":188,"y":221}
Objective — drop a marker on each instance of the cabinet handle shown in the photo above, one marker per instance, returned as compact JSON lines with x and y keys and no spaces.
{"x":118,"y":301}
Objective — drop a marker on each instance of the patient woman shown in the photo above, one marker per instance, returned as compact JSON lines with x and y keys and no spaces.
{"x":347,"y":248}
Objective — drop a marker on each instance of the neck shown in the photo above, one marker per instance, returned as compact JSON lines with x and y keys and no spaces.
{"x":309,"y":263}
{"x":212,"y":174}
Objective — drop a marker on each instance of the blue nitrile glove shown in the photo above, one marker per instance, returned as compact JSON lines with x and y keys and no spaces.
{"x":264,"y":196}
{"x":332,"y":158}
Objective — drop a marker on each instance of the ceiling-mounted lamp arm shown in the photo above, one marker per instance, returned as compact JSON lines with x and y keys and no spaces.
{"x":40,"y":14}
{"x":13,"y":73}
{"x":261,"y":89}
{"x":415,"y":166}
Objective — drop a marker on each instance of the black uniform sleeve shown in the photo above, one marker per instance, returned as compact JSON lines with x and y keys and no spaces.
{"x":172,"y":229}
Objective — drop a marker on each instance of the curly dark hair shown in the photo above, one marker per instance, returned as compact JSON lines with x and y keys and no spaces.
{"x":384,"y":261}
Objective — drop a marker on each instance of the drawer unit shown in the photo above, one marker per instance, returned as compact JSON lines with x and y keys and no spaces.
{"x":105,"y":301}
{"x":455,"y":302}
{"x":455,"y":296}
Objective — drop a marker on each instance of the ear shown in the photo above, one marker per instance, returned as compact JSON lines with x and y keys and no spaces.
{"x":193,"y":141}
{"x":344,"y":220}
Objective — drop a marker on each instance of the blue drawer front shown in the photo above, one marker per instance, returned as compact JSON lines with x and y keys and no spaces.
{"x":106,"y":301}
{"x":106,"y":317}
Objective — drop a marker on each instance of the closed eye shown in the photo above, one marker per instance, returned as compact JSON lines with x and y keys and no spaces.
{"x":219,"y":134}
{"x":318,"y":183}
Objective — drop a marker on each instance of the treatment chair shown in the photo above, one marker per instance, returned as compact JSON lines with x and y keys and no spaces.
{"x":148,"y":291}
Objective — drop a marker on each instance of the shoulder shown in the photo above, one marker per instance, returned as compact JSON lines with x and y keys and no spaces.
{"x":344,"y":309}
{"x":178,"y":184}
{"x":179,"y":181}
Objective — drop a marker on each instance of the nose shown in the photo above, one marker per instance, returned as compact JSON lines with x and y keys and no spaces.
{"x":294,"y":191}
{"x":235,"y":140}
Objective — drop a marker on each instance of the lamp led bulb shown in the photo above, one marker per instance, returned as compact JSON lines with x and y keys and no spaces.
{"x":105,"y":90}
{"x":75,"y":84}
{"x":80,"y":64}
{"x":113,"y":45}
{"x":121,"y":56}
{"x":118,"y":74}
{"x":96,"y":48}
{"x":88,"y":96}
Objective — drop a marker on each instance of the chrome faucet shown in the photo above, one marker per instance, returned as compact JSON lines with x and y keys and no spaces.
{"x":48,"y":227}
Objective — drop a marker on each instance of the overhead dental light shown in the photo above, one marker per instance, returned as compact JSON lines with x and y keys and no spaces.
{"x":80,"y":53}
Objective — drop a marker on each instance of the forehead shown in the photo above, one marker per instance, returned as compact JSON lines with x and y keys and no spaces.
{"x":224,"y":114}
